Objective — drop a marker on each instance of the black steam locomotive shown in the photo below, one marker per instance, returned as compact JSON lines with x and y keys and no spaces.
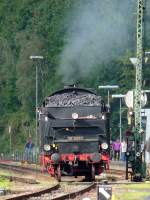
{"x":74,"y":130}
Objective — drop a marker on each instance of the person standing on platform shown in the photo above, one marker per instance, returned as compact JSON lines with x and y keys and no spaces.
{"x":123,"y":150}
{"x":117,"y":148}
{"x":28,"y":150}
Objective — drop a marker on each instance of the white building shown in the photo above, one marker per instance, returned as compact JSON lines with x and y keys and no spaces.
{"x":146,"y":119}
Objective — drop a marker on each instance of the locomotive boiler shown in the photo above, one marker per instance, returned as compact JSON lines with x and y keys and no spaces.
{"x":74,"y":132}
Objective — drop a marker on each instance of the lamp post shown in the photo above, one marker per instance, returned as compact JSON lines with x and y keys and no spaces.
{"x":34,"y":58}
{"x":108,"y":87}
{"x":120,"y":96}
{"x":10,"y":141}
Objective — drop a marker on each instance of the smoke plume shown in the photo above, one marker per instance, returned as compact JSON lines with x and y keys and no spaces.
{"x":98,"y":33}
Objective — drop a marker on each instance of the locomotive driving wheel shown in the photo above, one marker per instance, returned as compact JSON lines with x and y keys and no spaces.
{"x":58,"y":173}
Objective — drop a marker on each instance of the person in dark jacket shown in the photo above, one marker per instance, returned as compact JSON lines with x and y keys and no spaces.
{"x":28,"y":149}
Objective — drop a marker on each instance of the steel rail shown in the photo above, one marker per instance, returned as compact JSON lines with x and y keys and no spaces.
{"x":75,"y":194}
{"x":33,"y":194}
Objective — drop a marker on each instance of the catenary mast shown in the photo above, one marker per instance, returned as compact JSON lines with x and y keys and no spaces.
{"x":138,"y":164}
{"x":139,"y":63}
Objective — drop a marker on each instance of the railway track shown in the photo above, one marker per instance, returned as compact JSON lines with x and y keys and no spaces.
{"x":57,"y":192}
{"x":114,"y":168}
{"x":113,"y":173}
{"x":72,"y":190}
{"x":67,"y":192}
{"x":60,"y":191}
{"x":17,"y":168}
{"x":117,"y":172}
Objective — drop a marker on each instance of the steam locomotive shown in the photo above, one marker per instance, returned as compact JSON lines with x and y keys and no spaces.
{"x":74,"y":132}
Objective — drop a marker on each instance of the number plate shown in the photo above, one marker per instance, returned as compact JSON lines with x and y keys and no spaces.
{"x":75,"y":138}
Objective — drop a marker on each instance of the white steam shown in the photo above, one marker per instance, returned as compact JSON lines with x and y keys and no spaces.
{"x":98,"y":34}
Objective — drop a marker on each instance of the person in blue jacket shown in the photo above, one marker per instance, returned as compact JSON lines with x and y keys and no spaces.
{"x":28,"y":149}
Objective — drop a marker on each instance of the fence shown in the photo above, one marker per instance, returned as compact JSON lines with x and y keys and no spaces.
{"x":20,"y":156}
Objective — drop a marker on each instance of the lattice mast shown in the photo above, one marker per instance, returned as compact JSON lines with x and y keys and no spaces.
{"x":139,"y":63}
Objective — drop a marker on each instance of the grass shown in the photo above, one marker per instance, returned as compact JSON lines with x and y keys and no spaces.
{"x":131,"y":196}
{"x":140,"y":186}
{"x":4,"y":183}
{"x":131,"y":191}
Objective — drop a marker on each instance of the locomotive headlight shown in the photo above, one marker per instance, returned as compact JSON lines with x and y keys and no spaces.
{"x":75,"y":115}
{"x":104,"y":146}
{"x":138,"y":154}
{"x":47,"y":147}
